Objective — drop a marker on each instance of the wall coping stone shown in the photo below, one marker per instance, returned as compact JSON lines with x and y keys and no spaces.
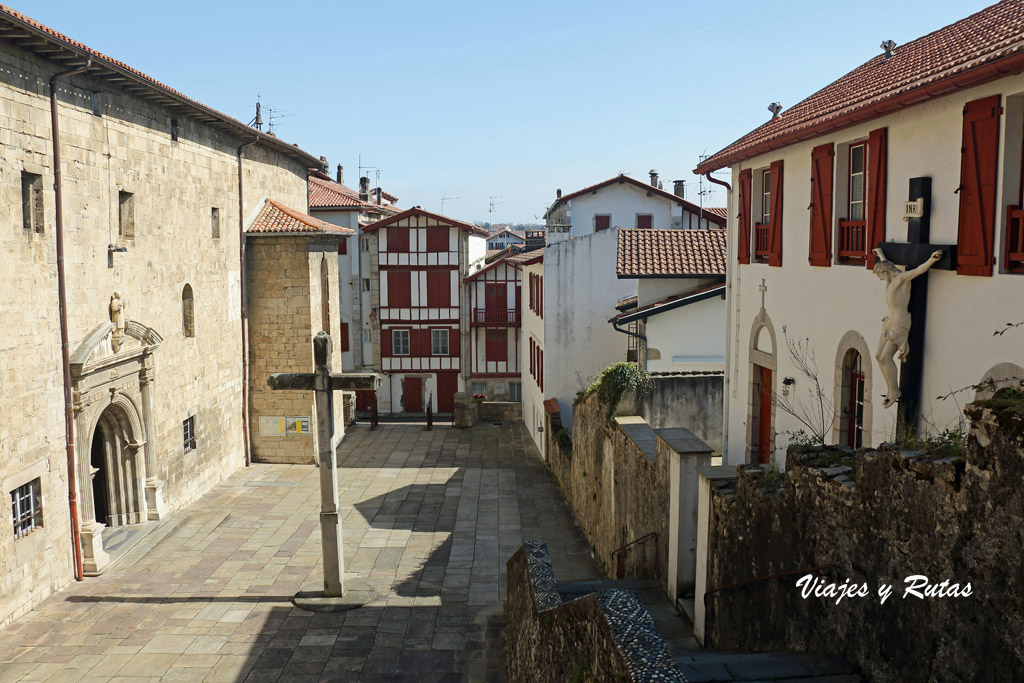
{"x":640,"y":433}
{"x":713,"y":473}
{"x":682,"y":440}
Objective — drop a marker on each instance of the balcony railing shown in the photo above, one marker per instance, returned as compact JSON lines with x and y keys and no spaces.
{"x":853,"y":237}
{"x":1015,"y":238}
{"x":762,"y":241}
{"x":495,"y":317}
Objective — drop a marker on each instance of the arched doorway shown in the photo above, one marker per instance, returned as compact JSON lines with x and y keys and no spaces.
{"x":97,"y":463}
{"x":118,"y":486}
{"x":761,"y":427}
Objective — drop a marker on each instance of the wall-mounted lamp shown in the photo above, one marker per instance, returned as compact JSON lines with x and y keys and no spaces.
{"x":786,"y":384}
{"x":112,"y":248}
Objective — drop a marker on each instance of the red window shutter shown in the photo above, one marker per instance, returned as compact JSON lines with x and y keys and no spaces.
{"x":344,"y":337}
{"x":743,"y":234}
{"x":775,"y":255}
{"x":978,"y":168}
{"x":878,"y":151}
{"x":438,"y":288}
{"x":645,"y":221}
{"x":398,"y":239}
{"x":437,"y":239}
{"x":540,"y":300}
{"x":542,"y":370}
{"x":497,"y":345}
{"x":602,"y":222}
{"x":822,"y":163}
{"x":399,"y":288}
{"x":385,"y":342}
{"x":454,"y":339}
{"x":343,"y":247}
{"x":426,"y":343}
{"x":414,"y":342}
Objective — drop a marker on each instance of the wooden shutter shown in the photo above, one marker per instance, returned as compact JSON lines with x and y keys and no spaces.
{"x":399,"y":289}
{"x":439,"y":288}
{"x":344,"y":337}
{"x":540,"y":296}
{"x":878,"y":151}
{"x":602,"y":222}
{"x":645,"y":221}
{"x":343,"y":247}
{"x":978,"y":168}
{"x":743,"y":234}
{"x":385,"y":342}
{"x":414,"y":342}
{"x":454,"y":337}
{"x":822,"y":165}
{"x":775,"y":255}
{"x":426,"y":343}
{"x":398,"y":239}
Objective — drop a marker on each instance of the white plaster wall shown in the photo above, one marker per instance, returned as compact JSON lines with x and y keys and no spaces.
{"x":695,"y":332}
{"x":651,"y":290}
{"x":825,"y":303}
{"x":533,"y":328}
{"x":580,"y":292}
{"x":622,"y":202}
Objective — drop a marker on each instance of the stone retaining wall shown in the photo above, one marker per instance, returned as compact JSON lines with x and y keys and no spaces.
{"x":881,"y":516}
{"x":501,"y":411}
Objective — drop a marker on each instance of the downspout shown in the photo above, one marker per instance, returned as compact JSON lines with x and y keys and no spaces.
{"x":241,"y":289}
{"x":730,"y":273}
{"x":639,"y":336}
{"x":359,"y":289}
{"x":65,"y":348}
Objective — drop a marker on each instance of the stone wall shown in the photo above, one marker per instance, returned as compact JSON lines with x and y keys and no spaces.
{"x":605,"y":636}
{"x":501,"y":411}
{"x":693,"y":400}
{"x":881,"y":516}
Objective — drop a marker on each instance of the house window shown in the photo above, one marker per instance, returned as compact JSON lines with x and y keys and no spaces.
{"x":437,"y":239}
{"x":400,"y":342}
{"x":399,"y":288}
{"x":343,"y":247}
{"x":188,"y":320}
{"x":188,"y":431}
{"x":364,"y":243}
{"x":515,"y":392}
{"x":479,"y":387}
{"x":853,"y":230}
{"x":215,"y":222}
{"x":497,"y":345}
{"x":852,"y":413}
{"x":32,"y":201}
{"x":398,"y":239}
{"x":125,"y":215}
{"x":645,"y":220}
{"x":27,"y":508}
{"x":439,"y":284}
{"x":766,"y":197}
{"x":174,"y":130}
{"x":858,"y":159}
{"x":366,"y":284}
{"x":439,"y":342}
{"x":602,"y":222}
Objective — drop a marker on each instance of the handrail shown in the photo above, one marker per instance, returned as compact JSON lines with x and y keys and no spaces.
{"x":620,"y":564}
{"x":642,"y":538}
{"x":770,"y":577}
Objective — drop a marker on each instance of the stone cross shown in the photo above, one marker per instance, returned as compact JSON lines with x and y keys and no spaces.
{"x":915,"y":252}
{"x":324,"y":384}
{"x":763,"y":288}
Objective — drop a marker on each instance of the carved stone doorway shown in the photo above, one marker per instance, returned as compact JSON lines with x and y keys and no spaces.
{"x":118,"y":482}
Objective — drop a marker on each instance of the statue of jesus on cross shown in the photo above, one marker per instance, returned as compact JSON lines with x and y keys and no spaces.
{"x":894,"y":342}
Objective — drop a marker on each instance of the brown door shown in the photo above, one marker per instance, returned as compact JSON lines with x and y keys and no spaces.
{"x":764,"y":415}
{"x":447,"y":385}
{"x":412,"y":389}
{"x":365,"y":400}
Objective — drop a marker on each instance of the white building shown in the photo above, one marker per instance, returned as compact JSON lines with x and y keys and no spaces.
{"x":947,"y":108}
{"x":677,"y":321}
{"x":532,"y":362}
{"x":504,"y":239}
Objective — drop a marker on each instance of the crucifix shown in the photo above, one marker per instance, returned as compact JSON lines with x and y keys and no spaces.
{"x":899,"y":339}
{"x":762,"y":288}
{"x":324,"y":383}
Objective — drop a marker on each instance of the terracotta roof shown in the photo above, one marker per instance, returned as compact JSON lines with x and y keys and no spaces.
{"x":621,"y":178}
{"x":275,"y":217}
{"x":670,"y":303}
{"x":551,"y":406}
{"x":720,"y":211}
{"x":33,"y":36}
{"x":327,"y":194}
{"x":417,"y":211}
{"x":626,"y":303}
{"x":670,"y":253}
{"x":978,"y":49}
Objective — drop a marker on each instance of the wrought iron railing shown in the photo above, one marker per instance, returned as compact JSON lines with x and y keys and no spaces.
{"x":496,"y":316}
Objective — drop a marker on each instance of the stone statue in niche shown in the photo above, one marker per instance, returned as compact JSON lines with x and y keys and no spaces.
{"x":117,"y":316}
{"x":894,"y":344}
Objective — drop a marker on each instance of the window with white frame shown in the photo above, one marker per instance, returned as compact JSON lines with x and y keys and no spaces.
{"x":858,"y":160}
{"x":439,"y":342}
{"x":27,"y":508}
{"x":479,"y":387}
{"x":766,"y":197}
{"x":400,"y":342}
{"x":515,"y":391}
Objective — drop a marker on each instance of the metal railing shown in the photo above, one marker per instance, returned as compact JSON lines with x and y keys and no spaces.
{"x":620,"y":562}
{"x":762,"y":240}
{"x":1015,"y":237}
{"x":496,"y":316}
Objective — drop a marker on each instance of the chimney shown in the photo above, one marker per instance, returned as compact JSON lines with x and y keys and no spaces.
{"x":378,"y":196}
{"x":679,"y":188}
{"x":889,"y":46}
{"x":775,"y":108}
{"x":558,"y":193}
{"x":364,"y":189}
{"x":341,"y":175}
{"x":654,"y":177}
{"x":323,"y":164}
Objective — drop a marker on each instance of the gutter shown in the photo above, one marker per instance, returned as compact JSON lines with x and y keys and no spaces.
{"x":62,"y":303}
{"x":615,"y":325}
{"x":241,"y":289}
{"x":732,"y":273}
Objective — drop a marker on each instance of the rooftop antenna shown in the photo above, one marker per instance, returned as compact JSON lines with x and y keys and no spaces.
{"x":257,"y":122}
{"x":445,"y":199}
{"x":272,"y":117}
{"x":369,"y":168}
{"x":490,"y":211}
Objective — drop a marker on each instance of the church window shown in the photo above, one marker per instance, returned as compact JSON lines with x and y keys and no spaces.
{"x":126,"y":215}
{"x":215,"y":222}
{"x":27,"y":508}
{"x":188,"y":322}
{"x":32,"y":201}
{"x":188,"y":430}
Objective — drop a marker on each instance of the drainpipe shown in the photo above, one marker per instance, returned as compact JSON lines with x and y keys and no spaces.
{"x":241,"y":289}
{"x":633,"y":334}
{"x":62,"y":299}
{"x":731,"y":273}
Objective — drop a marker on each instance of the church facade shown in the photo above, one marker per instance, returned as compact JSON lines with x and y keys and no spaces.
{"x":916,"y":151}
{"x":155,"y":191}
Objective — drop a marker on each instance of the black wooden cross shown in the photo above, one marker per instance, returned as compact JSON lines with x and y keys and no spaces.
{"x":916,"y":251}
{"x":323,"y":383}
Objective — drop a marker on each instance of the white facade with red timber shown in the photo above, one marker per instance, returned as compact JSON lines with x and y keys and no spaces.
{"x":495,"y":319}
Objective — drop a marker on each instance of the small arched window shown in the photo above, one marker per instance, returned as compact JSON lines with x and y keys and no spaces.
{"x":188,"y":318}
{"x":851,"y":412}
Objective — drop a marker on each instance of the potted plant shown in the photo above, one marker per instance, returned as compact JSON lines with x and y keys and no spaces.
{"x":479,"y":398}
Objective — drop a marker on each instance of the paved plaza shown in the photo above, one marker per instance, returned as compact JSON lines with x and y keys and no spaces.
{"x":430,"y":519}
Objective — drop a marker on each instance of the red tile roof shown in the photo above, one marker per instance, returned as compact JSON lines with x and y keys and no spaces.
{"x":327,"y":194}
{"x":720,"y":211}
{"x":551,"y":406}
{"x":981,"y":48}
{"x":104,"y":67}
{"x":275,"y":218}
{"x":417,"y":211}
{"x":689,"y":206}
{"x":670,"y":253}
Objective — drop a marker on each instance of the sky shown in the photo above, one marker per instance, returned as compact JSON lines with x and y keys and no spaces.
{"x":482,"y":101}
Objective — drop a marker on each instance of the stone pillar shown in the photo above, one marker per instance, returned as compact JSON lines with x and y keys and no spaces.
{"x":154,"y":486}
{"x":686,"y":453}
{"x":94,"y":557}
{"x":708,"y":476}
{"x":466,"y":412}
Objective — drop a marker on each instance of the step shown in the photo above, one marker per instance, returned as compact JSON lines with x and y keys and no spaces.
{"x":784,"y":667}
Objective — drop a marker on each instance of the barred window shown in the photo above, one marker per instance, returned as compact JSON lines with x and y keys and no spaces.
{"x":27,"y":508}
{"x":188,"y":429}
{"x":32,"y":201}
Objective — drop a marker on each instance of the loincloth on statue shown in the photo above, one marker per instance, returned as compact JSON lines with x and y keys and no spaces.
{"x":897,"y":331}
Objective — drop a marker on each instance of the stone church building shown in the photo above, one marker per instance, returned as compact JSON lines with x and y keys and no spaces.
{"x":157,"y":190}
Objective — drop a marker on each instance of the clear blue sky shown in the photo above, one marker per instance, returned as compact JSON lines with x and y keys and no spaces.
{"x":513,"y":99}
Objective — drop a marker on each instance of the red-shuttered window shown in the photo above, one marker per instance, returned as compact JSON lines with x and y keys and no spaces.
{"x":602,"y":222}
{"x":774,"y":255}
{"x":439,"y":289}
{"x":540,"y":296}
{"x":400,"y":343}
{"x":398,"y":239}
{"x":644,"y":220}
{"x":343,"y":247}
{"x":399,"y":288}
{"x":878,"y":154}
{"x":743,"y":236}
{"x":821,"y":205}
{"x":978,"y":171}
{"x":344,"y":337}
{"x":497,"y":345}
{"x":437,"y":239}
{"x":540,"y":372}
{"x":533,"y":348}
{"x":454,"y":343}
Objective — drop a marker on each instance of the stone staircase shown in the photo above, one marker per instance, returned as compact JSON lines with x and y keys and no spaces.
{"x":699,"y":665}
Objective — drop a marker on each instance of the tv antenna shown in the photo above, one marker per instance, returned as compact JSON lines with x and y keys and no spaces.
{"x":257,"y":121}
{"x":445,"y":199}
{"x":369,"y":168}
{"x":490,"y":211}
{"x":273,"y":115}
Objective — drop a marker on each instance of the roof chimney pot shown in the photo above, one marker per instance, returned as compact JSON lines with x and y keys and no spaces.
{"x":775,"y":108}
{"x":889,"y":46}
{"x":558,"y":193}
{"x":654,"y":177}
{"x":341,"y":175}
{"x":364,"y":189}
{"x":679,"y":188}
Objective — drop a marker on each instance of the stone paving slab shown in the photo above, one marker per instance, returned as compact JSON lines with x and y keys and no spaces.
{"x":429,"y":520}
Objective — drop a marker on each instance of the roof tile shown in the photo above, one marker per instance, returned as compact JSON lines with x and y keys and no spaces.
{"x":278,"y":218}
{"x":671,"y":253}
